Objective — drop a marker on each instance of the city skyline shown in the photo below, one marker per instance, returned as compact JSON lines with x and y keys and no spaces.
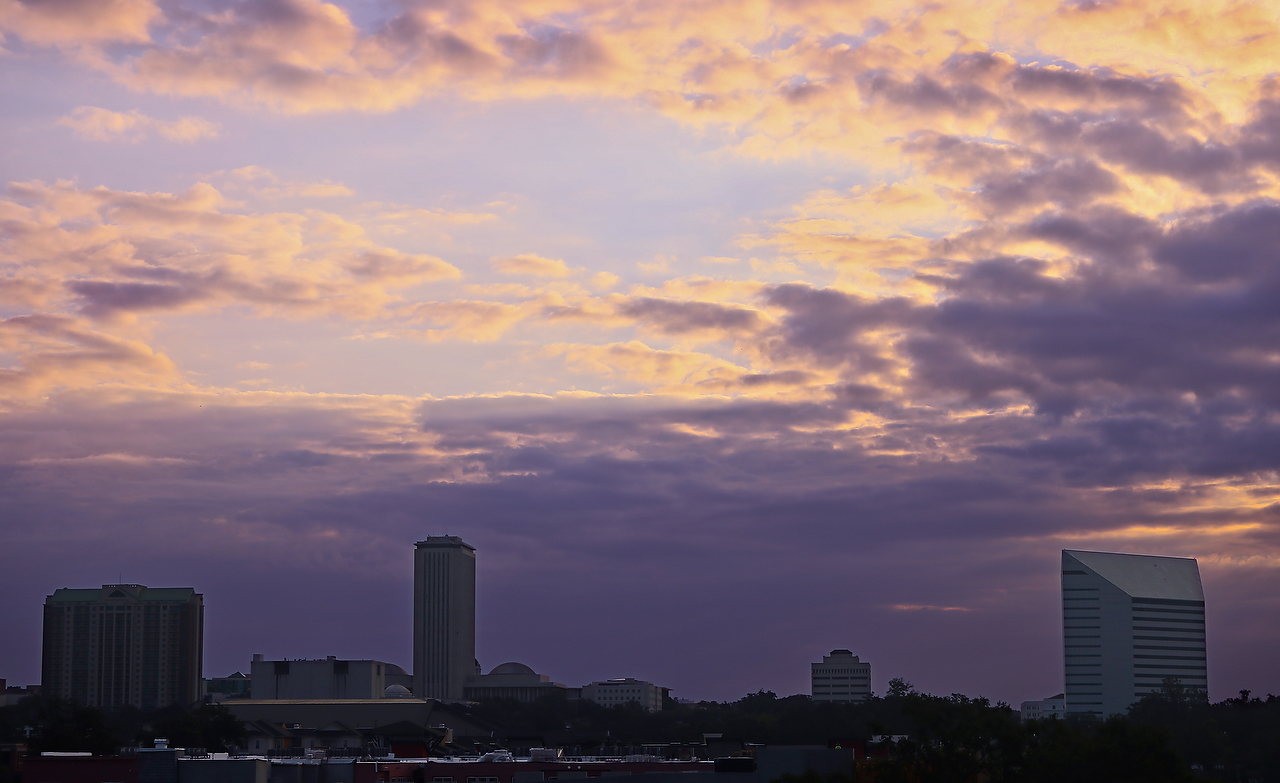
{"x":730,"y":332}
{"x":444,"y":586}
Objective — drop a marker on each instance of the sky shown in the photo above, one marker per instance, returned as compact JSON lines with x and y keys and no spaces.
{"x":729,"y":333}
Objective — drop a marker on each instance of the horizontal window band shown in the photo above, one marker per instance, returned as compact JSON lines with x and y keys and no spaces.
{"x":1199,"y":630}
{"x":1170,"y":657}
{"x":1159,"y":610}
{"x":1199,"y":620}
{"x":1168,"y":639}
{"x":1166,"y":666}
{"x":1167,"y":647}
{"x":1168,"y":601}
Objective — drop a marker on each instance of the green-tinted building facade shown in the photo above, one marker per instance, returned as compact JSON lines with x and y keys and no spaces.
{"x":124,"y":645}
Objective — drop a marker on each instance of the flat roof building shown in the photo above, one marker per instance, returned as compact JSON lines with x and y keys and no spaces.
{"x":124,"y":645}
{"x":625,"y":690}
{"x":328,"y":679}
{"x":1043,"y":709}
{"x":1129,"y":622}
{"x":444,"y":617}
{"x":841,"y":676}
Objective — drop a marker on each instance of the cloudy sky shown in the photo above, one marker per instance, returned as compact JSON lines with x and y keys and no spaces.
{"x":728,"y":332}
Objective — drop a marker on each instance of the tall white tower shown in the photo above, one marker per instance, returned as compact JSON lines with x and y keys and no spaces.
{"x":444,"y":617}
{"x":1129,"y":622}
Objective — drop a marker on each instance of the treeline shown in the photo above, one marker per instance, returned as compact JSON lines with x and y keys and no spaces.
{"x":1169,"y":736}
{"x":46,"y":723}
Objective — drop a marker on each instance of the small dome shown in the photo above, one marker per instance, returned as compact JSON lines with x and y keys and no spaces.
{"x":512,"y":668}
{"x":396,"y":692}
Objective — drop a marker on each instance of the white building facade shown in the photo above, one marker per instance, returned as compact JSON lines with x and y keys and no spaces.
{"x":841,"y":676}
{"x":1052,"y":707}
{"x":612,"y":693}
{"x":1128,"y":623}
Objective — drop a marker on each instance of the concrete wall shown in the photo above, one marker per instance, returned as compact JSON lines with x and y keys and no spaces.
{"x":224,"y":771}
{"x":331,"y":678}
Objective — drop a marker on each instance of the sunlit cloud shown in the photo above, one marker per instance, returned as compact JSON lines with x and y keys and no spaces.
{"x":532,"y":265}
{"x":92,"y":122}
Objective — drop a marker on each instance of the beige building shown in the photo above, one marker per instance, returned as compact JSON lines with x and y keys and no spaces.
{"x":124,"y":645}
{"x":612,"y":693}
{"x":444,"y":617}
{"x":328,"y":679}
{"x":841,"y":676}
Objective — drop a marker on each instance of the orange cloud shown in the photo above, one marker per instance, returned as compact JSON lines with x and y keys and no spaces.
{"x":116,"y":254}
{"x":92,"y":122}
{"x":529,"y":264}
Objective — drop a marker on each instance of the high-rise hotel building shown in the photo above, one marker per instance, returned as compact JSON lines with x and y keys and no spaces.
{"x":124,"y":645}
{"x":1128,"y":623}
{"x":444,"y":617}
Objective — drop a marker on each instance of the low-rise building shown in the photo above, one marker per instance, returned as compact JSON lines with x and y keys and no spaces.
{"x":1052,"y":707}
{"x":612,"y":693}
{"x":233,"y":686}
{"x":511,"y":681}
{"x":290,"y":724}
{"x":841,"y":676}
{"x":327,"y":679}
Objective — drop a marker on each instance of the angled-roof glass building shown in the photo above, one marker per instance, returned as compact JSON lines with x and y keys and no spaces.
{"x":1128,"y":623}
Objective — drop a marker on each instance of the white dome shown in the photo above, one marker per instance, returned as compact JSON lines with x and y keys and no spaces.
{"x":396,"y":692}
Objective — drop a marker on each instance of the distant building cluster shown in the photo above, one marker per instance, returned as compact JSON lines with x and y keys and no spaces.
{"x":132,"y":645}
{"x":1132,"y":624}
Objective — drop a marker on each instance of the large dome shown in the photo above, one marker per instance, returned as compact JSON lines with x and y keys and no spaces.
{"x":512,"y":668}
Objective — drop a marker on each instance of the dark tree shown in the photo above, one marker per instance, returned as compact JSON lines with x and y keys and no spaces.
{"x":62,"y":725}
{"x":208,"y":726}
